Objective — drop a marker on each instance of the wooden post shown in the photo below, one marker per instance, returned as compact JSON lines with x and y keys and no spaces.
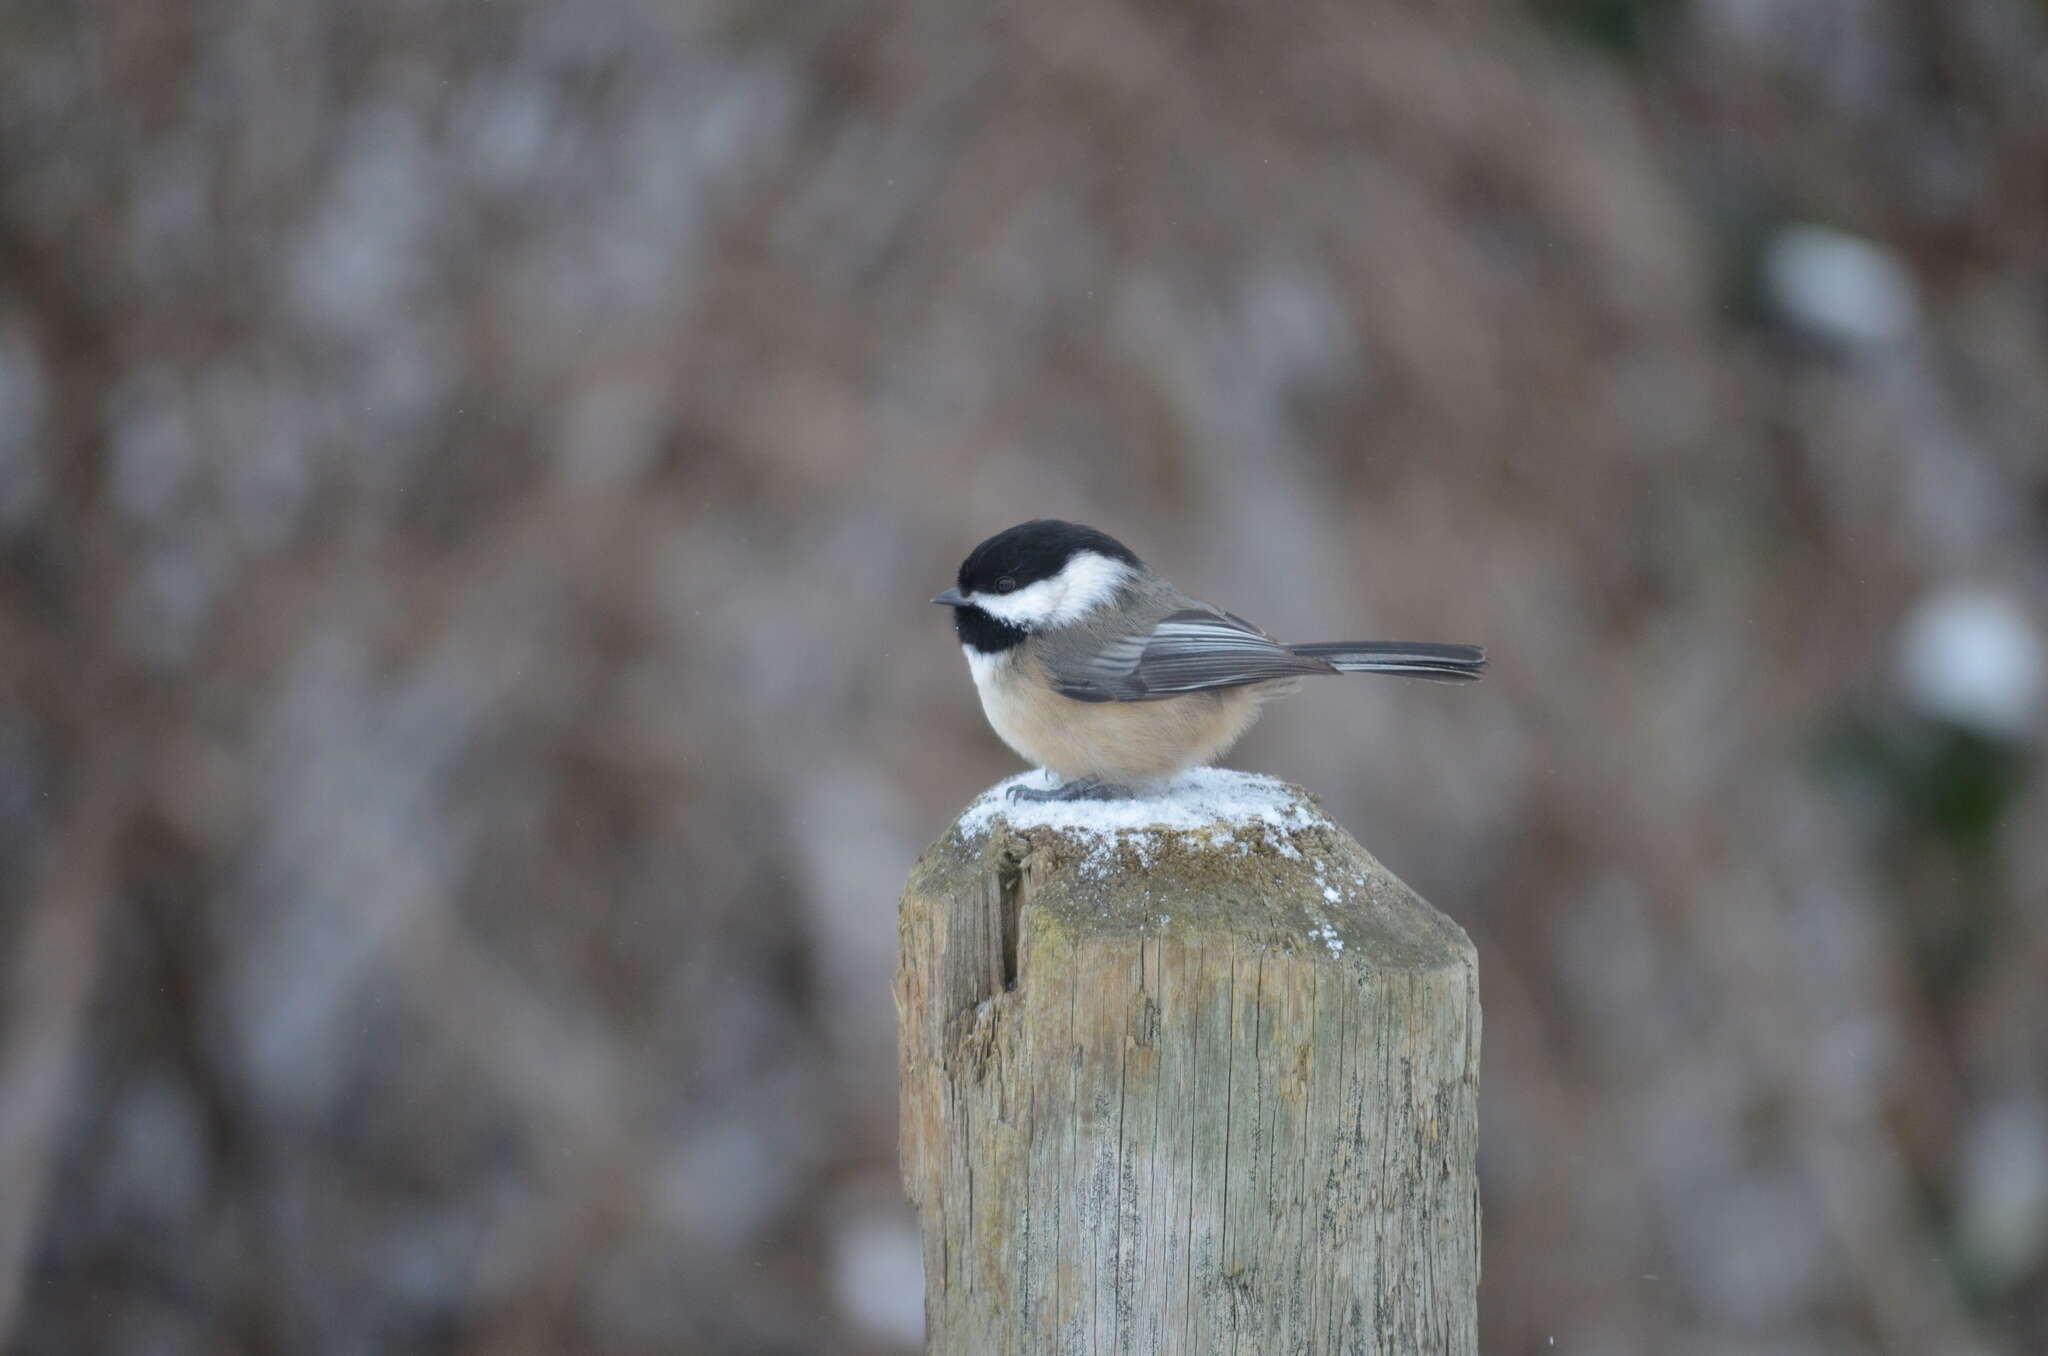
{"x":1205,"y":1083}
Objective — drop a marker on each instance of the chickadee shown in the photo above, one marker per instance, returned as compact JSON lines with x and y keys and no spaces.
{"x":1091,"y":665}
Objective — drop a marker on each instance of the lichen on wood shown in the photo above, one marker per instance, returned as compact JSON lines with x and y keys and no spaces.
{"x":1186,"y":1087}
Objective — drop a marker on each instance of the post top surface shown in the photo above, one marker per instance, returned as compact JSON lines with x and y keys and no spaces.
{"x":1245,"y":857}
{"x":1203,"y":797}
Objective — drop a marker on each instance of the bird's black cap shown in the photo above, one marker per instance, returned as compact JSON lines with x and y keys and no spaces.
{"x":1036,"y":550}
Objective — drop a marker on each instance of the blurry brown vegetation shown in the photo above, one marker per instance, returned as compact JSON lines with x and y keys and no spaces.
{"x":470,"y":475}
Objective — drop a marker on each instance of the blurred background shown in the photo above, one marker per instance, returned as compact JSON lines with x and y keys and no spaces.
{"x":471,"y":476}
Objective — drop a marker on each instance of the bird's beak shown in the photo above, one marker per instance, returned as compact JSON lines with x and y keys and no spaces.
{"x":951,"y":598}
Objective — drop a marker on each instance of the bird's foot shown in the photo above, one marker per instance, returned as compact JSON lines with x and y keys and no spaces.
{"x":1081,"y":788}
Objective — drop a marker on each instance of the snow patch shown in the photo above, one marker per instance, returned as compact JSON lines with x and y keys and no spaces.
{"x":1215,"y":799}
{"x":1840,"y":287}
{"x":1974,"y":656}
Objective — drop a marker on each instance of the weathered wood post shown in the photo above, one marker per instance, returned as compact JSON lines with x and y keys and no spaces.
{"x":1186,"y":1075}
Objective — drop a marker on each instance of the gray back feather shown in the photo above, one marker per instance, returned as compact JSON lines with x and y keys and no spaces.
{"x":1161,"y":643}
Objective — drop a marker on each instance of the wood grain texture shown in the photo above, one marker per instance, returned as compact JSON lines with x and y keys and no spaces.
{"x":1187,"y":1091}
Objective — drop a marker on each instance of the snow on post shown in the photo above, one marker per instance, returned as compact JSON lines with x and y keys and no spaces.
{"x":1182,"y":1075}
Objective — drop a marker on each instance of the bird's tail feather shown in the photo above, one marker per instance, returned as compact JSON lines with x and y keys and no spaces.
{"x":1412,"y":659}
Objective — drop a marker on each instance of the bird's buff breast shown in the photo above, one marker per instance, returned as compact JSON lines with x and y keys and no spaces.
{"x":1119,"y":742}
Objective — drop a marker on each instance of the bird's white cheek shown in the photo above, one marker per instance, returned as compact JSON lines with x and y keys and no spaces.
{"x":1085,"y":583}
{"x":1032,"y":605}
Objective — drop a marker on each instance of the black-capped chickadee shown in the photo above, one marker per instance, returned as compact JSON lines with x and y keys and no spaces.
{"x":1091,"y":665}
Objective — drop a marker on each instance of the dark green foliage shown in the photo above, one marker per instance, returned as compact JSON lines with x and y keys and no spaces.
{"x":1622,"y":28}
{"x":1943,"y":798}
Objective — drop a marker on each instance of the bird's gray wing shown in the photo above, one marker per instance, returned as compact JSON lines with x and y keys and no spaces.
{"x":1185,"y":651}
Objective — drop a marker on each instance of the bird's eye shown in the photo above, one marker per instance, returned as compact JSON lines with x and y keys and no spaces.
{"x":1006,"y":585}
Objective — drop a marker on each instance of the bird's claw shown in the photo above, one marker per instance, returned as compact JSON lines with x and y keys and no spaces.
{"x":1081,"y":788}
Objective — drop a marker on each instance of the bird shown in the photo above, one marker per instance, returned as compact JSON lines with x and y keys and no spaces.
{"x":1090,"y":665}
